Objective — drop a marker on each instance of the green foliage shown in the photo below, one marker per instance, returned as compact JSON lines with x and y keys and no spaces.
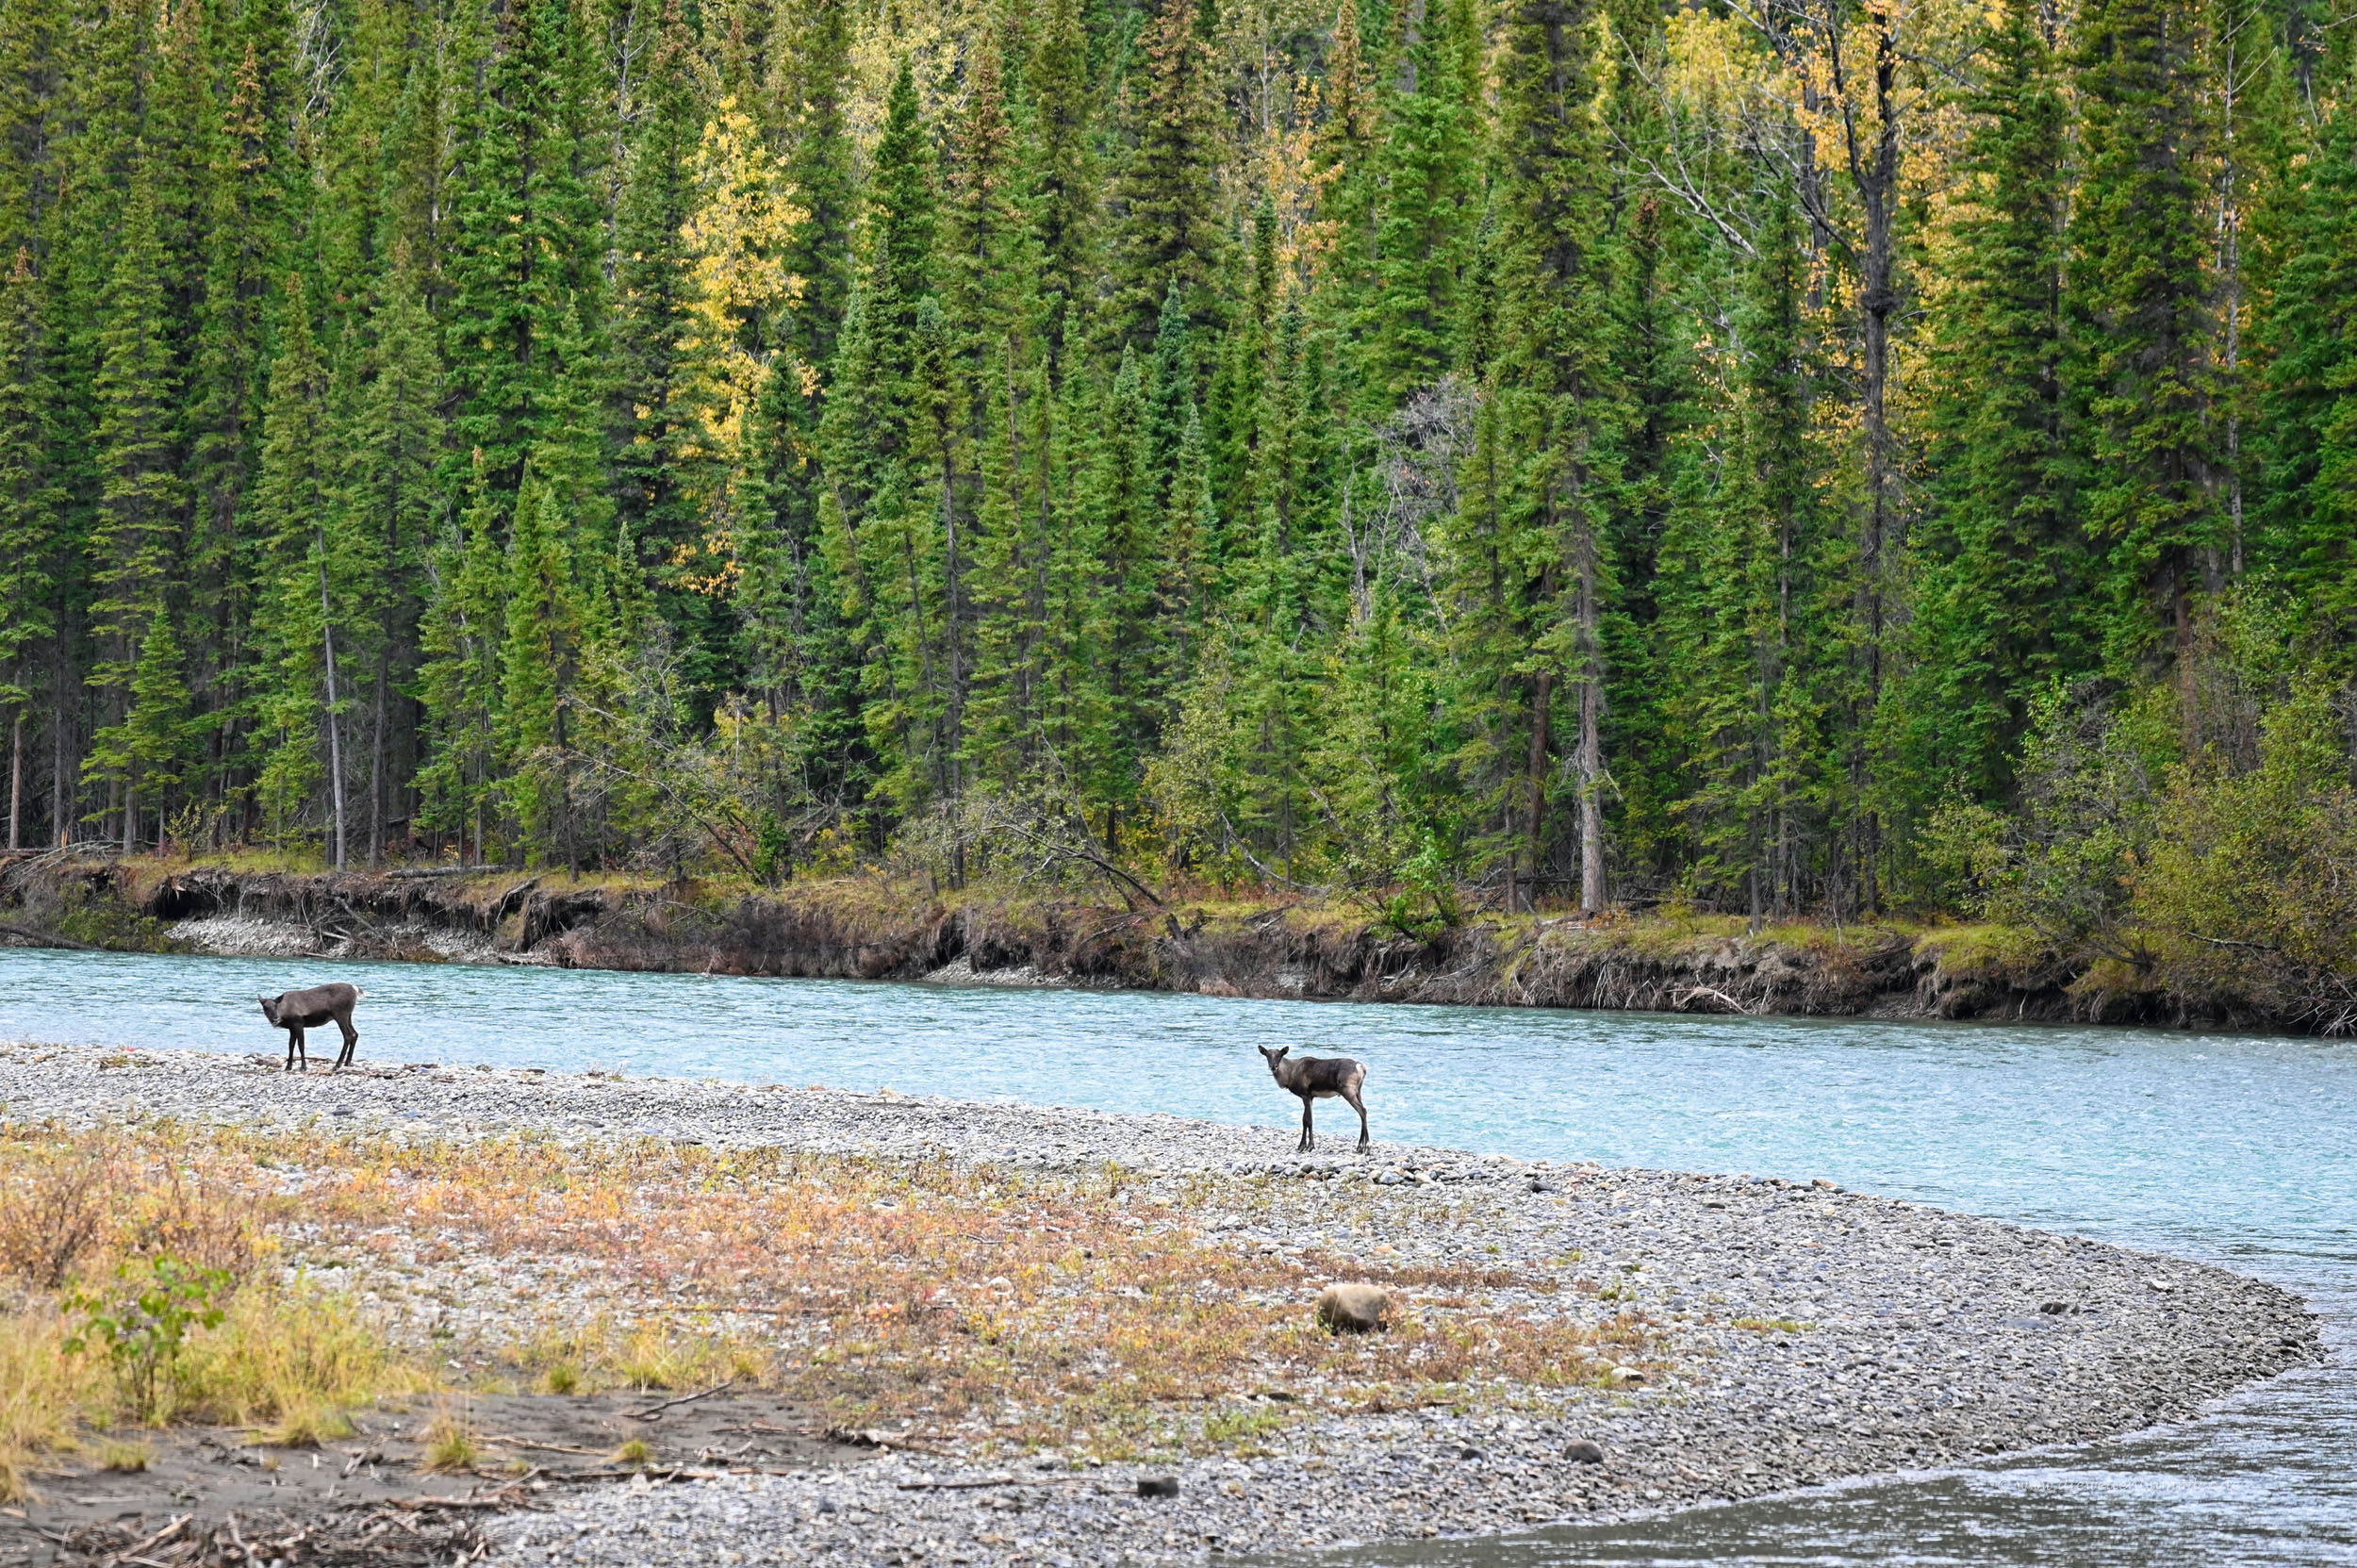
{"x":1424,"y":451}
{"x":141,"y":1324}
{"x":2143,"y":367}
{"x":2001,"y":565}
{"x":2066,"y":863}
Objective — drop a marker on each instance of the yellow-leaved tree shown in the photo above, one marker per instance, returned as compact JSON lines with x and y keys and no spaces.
{"x":739,"y":341}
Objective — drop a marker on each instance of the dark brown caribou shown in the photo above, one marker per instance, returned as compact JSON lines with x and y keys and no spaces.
{"x":1316,"y":1077}
{"x":296,"y":1011}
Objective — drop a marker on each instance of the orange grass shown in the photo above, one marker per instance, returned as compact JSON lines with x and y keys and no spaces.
{"x":1014,"y":1306}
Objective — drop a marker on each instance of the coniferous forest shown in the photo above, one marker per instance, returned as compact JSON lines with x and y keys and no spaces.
{"x":1785,"y":455}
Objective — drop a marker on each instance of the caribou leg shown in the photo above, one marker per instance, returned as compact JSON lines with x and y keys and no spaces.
{"x":1309,"y":1132}
{"x":1359,"y":1105}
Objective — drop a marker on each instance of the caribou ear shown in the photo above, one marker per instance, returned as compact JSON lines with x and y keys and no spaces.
{"x":1283,"y":1051}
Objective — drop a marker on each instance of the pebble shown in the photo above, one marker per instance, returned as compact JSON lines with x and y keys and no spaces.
{"x":1810,"y":1333}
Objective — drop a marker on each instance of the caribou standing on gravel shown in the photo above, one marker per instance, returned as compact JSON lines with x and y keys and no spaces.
{"x":296,"y":1011}
{"x":1316,"y":1077}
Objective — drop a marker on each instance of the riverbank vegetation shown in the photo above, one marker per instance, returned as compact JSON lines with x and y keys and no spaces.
{"x":140,"y":1284}
{"x":1790,"y":459}
{"x":162,"y":1272}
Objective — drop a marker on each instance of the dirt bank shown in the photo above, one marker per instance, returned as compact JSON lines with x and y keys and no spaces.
{"x":863,"y":927}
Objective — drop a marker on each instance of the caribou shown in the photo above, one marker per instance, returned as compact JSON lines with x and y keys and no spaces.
{"x":296,"y":1011}
{"x":1316,"y":1077}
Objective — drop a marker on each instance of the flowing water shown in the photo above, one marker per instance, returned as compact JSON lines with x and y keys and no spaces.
{"x":2239,"y":1150}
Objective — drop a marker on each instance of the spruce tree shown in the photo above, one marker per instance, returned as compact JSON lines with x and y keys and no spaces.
{"x":2000,"y":568}
{"x":290,"y":511}
{"x":1552,"y":383}
{"x":1427,"y":178}
{"x":389,"y":500}
{"x":1061,"y":177}
{"x":2310,"y":337}
{"x":253,"y":179}
{"x":652,"y":285}
{"x":2141,"y":324}
{"x":1169,"y":189}
{"x":539,"y":664}
{"x":816,"y":84}
{"x":461,"y":639}
{"x":30,"y":504}
{"x":134,"y":541}
{"x":526,"y":233}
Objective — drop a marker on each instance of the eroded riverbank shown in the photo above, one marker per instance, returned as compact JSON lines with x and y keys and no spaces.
{"x":1801,"y":1333}
{"x":864,"y":928}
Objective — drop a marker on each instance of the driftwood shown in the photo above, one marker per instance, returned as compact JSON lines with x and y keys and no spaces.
{"x":411,"y":1532}
{"x":48,"y":939}
{"x":1692,"y":991}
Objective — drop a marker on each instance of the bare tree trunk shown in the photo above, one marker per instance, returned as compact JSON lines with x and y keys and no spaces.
{"x":1590,"y":756}
{"x":335,"y":739}
{"x":376,"y":758}
{"x":130,"y":815}
{"x":16,"y":780}
{"x":1542,"y":710}
{"x":60,"y":823}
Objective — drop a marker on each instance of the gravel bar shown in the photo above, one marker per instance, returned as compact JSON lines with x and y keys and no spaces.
{"x":1809,"y":1333}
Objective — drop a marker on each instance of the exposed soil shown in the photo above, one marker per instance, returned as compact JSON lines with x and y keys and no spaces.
{"x":858,"y":928}
{"x":328,"y":1499}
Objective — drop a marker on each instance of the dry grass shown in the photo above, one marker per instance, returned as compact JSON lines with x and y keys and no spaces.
{"x":42,"y":1395}
{"x":941,"y":1298}
{"x":82,"y":1215}
{"x":124,"y":1459}
{"x":1008,"y":1308}
{"x":450,"y":1441}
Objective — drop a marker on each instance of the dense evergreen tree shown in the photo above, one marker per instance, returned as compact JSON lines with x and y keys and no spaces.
{"x":2310,"y":395}
{"x":2142,"y":323}
{"x":1450,"y":453}
{"x":1169,"y":188}
{"x":135,"y":539}
{"x":29,"y":517}
{"x":2001,"y":606}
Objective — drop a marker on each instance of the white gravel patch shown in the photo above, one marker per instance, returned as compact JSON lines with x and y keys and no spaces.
{"x":1811,"y":1333}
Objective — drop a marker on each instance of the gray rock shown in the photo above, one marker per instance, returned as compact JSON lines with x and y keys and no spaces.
{"x":1353,"y":1308}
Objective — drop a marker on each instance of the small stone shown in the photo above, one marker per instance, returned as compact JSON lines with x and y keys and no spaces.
{"x":1581,"y":1451}
{"x":1157,"y":1486}
{"x":1356,"y":1308}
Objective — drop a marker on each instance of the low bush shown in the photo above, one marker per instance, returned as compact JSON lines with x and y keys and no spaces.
{"x":140,"y":1298}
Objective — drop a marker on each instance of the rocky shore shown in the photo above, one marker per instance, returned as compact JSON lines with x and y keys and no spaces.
{"x":1804,"y":1334}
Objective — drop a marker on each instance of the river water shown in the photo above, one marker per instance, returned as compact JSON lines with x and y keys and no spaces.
{"x":2240,"y":1149}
